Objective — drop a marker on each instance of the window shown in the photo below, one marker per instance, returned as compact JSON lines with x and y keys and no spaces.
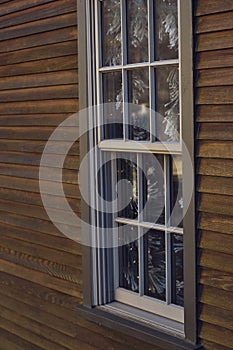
{"x":139,"y":64}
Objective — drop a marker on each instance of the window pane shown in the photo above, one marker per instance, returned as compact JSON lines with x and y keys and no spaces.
{"x":177,"y":270}
{"x":167,"y":103}
{"x":138,"y":87}
{"x":112,"y":97}
{"x":166,"y":29}
{"x":155,"y":265}
{"x":111,"y":32}
{"x":129,"y":259}
{"x":137,"y":31}
{"x":153,"y":188}
{"x":127,"y":188}
{"x":176,"y":192}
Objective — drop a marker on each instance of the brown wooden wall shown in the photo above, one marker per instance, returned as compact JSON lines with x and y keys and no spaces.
{"x":214,"y":79}
{"x":40,"y":269}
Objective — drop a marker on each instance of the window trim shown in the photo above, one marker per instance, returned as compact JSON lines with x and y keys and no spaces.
{"x":85,"y":100}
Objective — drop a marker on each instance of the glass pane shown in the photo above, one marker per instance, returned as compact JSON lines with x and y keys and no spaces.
{"x":155,"y":265}
{"x":129,"y":260}
{"x":112,"y":97}
{"x":127,"y":188}
{"x":176,"y":192}
{"x":167,"y":103}
{"x":111,"y":32}
{"x":137,"y":31}
{"x":166,"y":29}
{"x":153,"y":188}
{"x":138,"y":87}
{"x":177,"y":270}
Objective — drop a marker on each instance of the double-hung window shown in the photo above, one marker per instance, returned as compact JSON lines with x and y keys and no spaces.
{"x":139,"y":66}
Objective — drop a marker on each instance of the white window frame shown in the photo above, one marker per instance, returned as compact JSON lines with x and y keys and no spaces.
{"x":186,"y":108}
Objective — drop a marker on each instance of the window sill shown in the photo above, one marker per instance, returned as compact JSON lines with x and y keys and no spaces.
{"x":135,"y":329}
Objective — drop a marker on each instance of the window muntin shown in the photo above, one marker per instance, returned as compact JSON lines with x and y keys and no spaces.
{"x":143,"y":28}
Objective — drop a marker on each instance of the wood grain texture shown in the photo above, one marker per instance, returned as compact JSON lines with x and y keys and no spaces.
{"x":215,"y":149}
{"x":30,"y":41}
{"x":216,"y":131}
{"x":215,"y":22}
{"x":216,"y":167}
{"x":215,"y":334}
{"x":215,"y":59}
{"x":215,"y":77}
{"x":42,"y":52}
{"x":215,"y":95}
{"x":20,"y":5}
{"x":37,"y":13}
{"x":215,"y":203}
{"x":40,"y":26}
{"x":41,"y":66}
{"x":213,"y":346}
{"x":49,"y":79}
{"x":216,"y":222}
{"x":215,"y":113}
{"x":217,"y":279}
{"x":215,"y":41}
{"x":205,"y":7}
{"x":217,"y":242}
{"x":217,"y":297}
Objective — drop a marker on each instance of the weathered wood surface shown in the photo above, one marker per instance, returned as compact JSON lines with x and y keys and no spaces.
{"x":214,"y":115}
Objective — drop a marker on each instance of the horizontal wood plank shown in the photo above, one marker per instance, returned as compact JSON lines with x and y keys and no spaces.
{"x":42,"y":66}
{"x":42,"y":52}
{"x":216,"y":334}
{"x":215,"y":113}
{"x":10,"y":341}
{"x":216,"y":222}
{"x":216,"y":185}
{"x":40,"y":93}
{"x":217,"y":297}
{"x":215,"y":149}
{"x":17,"y":183}
{"x":40,"y":278}
{"x":218,"y":242}
{"x":205,"y":7}
{"x":49,"y":79}
{"x":215,"y":203}
{"x":215,"y":95}
{"x":217,"y":316}
{"x":215,"y":59}
{"x":216,"y":260}
{"x":215,"y":41}
{"x":213,"y":346}
{"x":216,"y":167}
{"x":217,"y":279}
{"x":46,"y":10}
{"x":59,"y":35}
{"x":216,"y":131}
{"x":215,"y":77}
{"x":31,"y":107}
{"x":40,"y":26}
{"x":58,"y":243}
{"x":20,"y":5}
{"x":33,"y":119}
{"x":215,"y":22}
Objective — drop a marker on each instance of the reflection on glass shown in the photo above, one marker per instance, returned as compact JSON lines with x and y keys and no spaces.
{"x":155,"y":265}
{"x":138,"y":89}
{"x":112,"y":97}
{"x":129,"y":259}
{"x":166,"y":29}
{"x":153,"y":188}
{"x":167,"y":103}
{"x":137,"y":31}
{"x":176,"y":192}
{"x":127,"y":189}
{"x":111,"y":32}
{"x":177,"y":270}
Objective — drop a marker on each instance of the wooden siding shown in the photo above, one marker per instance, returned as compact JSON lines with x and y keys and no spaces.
{"x":214,"y":105}
{"x":40,"y":269}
